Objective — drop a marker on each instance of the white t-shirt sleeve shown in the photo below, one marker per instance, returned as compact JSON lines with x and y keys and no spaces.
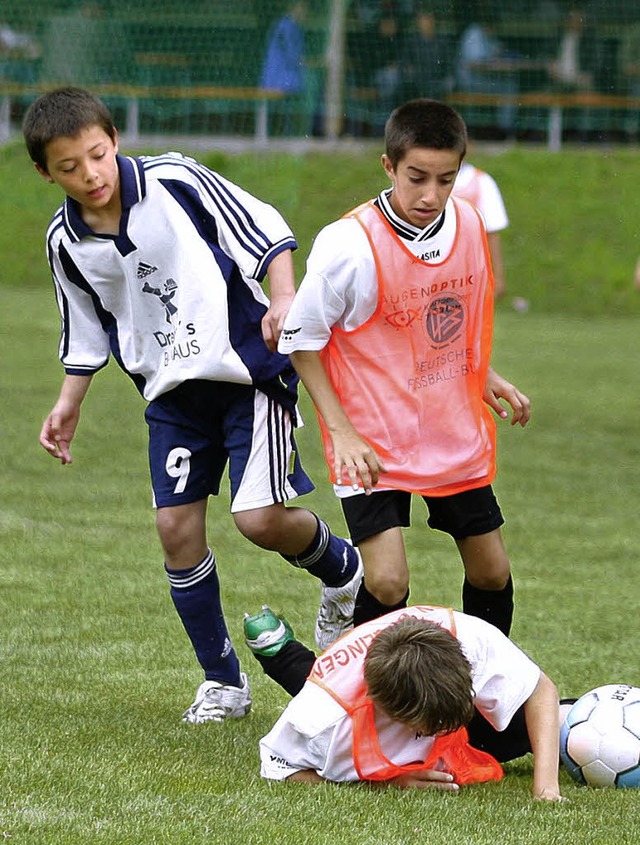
{"x":492,"y":205}
{"x":302,"y":737}
{"x":504,"y":677}
{"x":84,"y":344}
{"x":481,"y":189}
{"x":339,"y":289}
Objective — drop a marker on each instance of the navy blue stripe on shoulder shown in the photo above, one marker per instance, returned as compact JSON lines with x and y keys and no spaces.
{"x":132,"y":180}
{"x":56,"y":223}
{"x":231,"y":210}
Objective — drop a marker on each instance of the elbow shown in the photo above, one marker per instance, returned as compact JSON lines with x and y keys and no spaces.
{"x":546,"y":690}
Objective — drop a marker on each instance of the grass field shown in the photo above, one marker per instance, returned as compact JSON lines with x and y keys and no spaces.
{"x":95,"y":667}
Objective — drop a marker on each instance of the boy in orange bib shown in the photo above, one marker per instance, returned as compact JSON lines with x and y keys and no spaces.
{"x":422,"y":697}
{"x":391,"y":333}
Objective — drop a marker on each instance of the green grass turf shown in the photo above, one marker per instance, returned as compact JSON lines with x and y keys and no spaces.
{"x":95,"y":666}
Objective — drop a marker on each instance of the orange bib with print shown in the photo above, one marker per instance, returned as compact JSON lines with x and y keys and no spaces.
{"x":412,"y":378}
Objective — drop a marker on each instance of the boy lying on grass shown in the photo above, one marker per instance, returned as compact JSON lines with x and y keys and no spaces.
{"x":422,"y":697}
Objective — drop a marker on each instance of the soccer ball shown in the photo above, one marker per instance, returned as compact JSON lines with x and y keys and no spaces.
{"x":600,"y":737}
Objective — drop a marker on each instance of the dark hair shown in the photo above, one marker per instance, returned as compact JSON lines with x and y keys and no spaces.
{"x":417,"y":673}
{"x":64,"y":112}
{"x":424,"y":123}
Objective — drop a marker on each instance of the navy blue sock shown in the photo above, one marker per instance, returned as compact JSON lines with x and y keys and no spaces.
{"x":331,"y":559}
{"x":196,"y":596}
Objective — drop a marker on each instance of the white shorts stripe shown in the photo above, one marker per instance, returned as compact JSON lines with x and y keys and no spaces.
{"x":277,"y":445}
{"x":264,"y":480}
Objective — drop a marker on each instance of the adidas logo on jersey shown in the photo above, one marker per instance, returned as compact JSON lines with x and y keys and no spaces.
{"x":145,"y":270}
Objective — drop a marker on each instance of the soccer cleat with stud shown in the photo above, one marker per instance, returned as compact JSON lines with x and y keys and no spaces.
{"x":216,"y":702}
{"x":335,"y":614}
{"x":265,"y":633}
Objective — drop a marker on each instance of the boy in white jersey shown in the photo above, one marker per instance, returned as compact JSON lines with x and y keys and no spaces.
{"x":158,"y":262}
{"x":481,"y":190}
{"x":391,"y":331}
{"x":422,"y":697}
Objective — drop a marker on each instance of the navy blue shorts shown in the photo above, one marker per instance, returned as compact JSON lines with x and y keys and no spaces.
{"x":201,"y":426}
{"x":462,"y":515}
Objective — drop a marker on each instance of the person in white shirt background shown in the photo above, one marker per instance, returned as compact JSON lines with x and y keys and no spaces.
{"x":482,"y":191}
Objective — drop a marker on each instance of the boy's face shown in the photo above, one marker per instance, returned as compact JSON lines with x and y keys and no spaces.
{"x":85,"y":167}
{"x":422,"y":182}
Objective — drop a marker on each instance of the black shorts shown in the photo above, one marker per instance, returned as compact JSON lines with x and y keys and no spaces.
{"x":461,"y":515}
{"x":504,"y":745}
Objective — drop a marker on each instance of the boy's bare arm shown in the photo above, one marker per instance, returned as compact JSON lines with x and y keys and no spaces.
{"x":497,"y":264}
{"x":421,"y":779}
{"x":60,"y":426}
{"x":541,"y":714}
{"x":281,"y":292}
{"x":353,"y":456}
{"x":497,"y":388}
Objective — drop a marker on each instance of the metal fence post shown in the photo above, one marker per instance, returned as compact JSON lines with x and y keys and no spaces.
{"x":334,"y":93}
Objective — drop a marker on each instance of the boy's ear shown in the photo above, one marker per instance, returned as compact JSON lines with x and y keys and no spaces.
{"x":388,"y":167}
{"x":43,"y":173}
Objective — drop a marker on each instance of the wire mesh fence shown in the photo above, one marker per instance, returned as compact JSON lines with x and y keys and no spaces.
{"x":537,"y":69}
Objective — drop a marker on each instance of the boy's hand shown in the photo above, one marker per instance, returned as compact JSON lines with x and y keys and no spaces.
{"x":354,"y":458}
{"x":425,"y":779}
{"x":60,"y":426}
{"x":548,"y":794}
{"x":58,"y":430}
{"x":497,"y":388}
{"x":273,"y":320}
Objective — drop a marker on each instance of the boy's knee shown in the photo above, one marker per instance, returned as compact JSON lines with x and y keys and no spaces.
{"x":486,"y":563}
{"x":389,"y":589}
{"x":490,"y":581}
{"x":262,"y":526}
{"x":182,"y":534}
{"x":168,"y":524}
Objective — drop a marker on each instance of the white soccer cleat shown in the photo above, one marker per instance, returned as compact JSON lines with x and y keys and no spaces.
{"x":335,"y":614}
{"x":216,"y":702}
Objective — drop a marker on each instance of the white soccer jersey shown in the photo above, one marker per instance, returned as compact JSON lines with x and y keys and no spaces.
{"x":340,"y":286}
{"x":176,"y":295}
{"x":481,"y":189}
{"x":314,"y":731}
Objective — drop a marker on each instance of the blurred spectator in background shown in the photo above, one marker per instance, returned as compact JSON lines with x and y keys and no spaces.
{"x":484,"y":66}
{"x":578,"y":66}
{"x":426,"y":60}
{"x":283,"y":70}
{"x":368,"y":12}
{"x":386,"y":46}
{"x":481,"y":190}
{"x":576,"y":60}
{"x":629,"y":73}
{"x":18,"y":54}
{"x":18,"y":44}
